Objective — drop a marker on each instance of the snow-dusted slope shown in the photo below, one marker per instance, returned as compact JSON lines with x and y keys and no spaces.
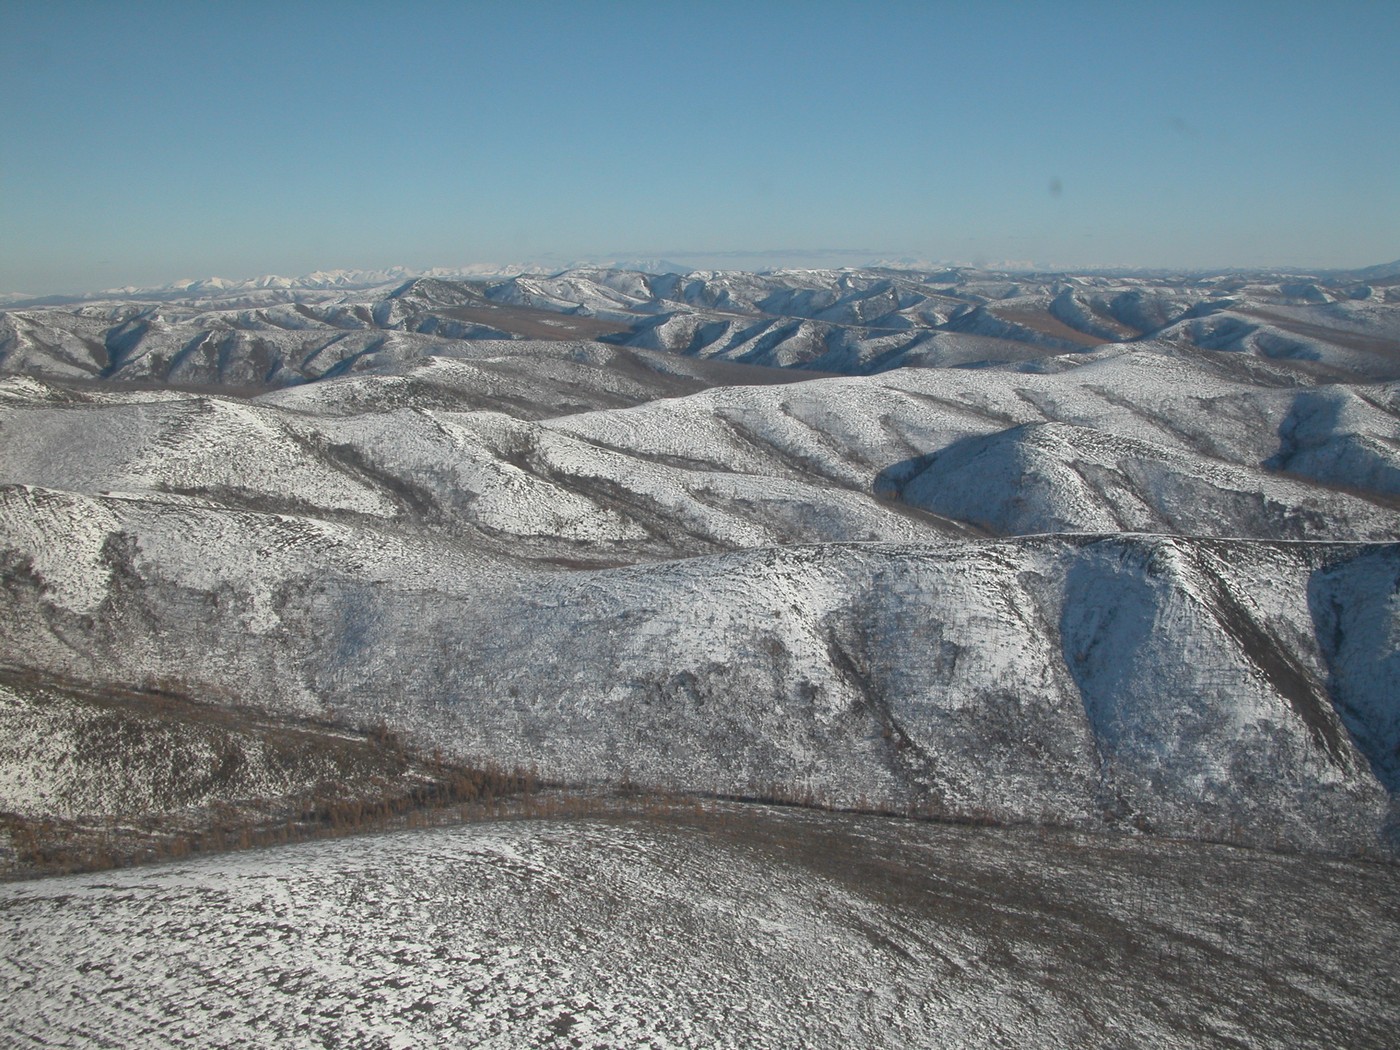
{"x":609,"y":561}
{"x":149,"y":765}
{"x":730,"y":929}
{"x":1124,"y":441}
{"x":967,"y":678}
{"x":1057,"y":477}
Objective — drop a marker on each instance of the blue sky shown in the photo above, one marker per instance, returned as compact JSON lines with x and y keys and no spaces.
{"x":144,"y":142}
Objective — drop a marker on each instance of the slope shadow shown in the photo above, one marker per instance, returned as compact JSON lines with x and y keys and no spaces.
{"x":891,"y":482}
{"x":1353,"y":609}
{"x":974,"y":507}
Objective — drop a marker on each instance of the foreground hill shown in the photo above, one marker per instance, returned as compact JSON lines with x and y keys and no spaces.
{"x":1234,"y":690}
{"x":722,"y":928}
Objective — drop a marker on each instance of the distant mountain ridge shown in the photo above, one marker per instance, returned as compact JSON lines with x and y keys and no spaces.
{"x":318,"y":280}
{"x":275,"y":331}
{"x":323,"y":280}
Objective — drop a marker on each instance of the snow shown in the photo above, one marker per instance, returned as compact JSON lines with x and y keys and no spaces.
{"x":1104,"y":681}
{"x":725,"y":929}
{"x":1148,"y":587}
{"x":387,"y":536}
{"x":64,"y":538}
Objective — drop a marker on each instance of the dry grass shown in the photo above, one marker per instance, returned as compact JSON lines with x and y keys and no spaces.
{"x":1047,"y":324}
{"x":534,"y":323}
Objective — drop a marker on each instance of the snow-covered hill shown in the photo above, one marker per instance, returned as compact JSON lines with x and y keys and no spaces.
{"x":1106,"y":566}
{"x":1104,"y":580}
{"x":1234,"y":689}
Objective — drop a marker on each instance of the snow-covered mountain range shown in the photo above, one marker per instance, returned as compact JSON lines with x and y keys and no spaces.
{"x":275,"y":331}
{"x":1121,"y":552}
{"x":1111,"y":562}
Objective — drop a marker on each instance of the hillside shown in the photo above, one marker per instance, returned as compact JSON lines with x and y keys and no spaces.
{"x":274,"y":331}
{"x":1120,"y":580}
{"x":725,"y":927}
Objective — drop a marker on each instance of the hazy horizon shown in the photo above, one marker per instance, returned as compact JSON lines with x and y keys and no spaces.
{"x":155,"y":142}
{"x":755,"y":261}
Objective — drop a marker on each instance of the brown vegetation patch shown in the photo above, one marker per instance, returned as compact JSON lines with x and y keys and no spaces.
{"x":532,"y":322}
{"x":180,"y":772}
{"x":1336,"y":336}
{"x":1047,"y":324}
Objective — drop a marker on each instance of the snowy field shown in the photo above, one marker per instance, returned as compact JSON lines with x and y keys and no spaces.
{"x":735,"y":927}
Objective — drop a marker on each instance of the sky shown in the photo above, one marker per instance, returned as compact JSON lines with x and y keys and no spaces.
{"x":141,"y":143}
